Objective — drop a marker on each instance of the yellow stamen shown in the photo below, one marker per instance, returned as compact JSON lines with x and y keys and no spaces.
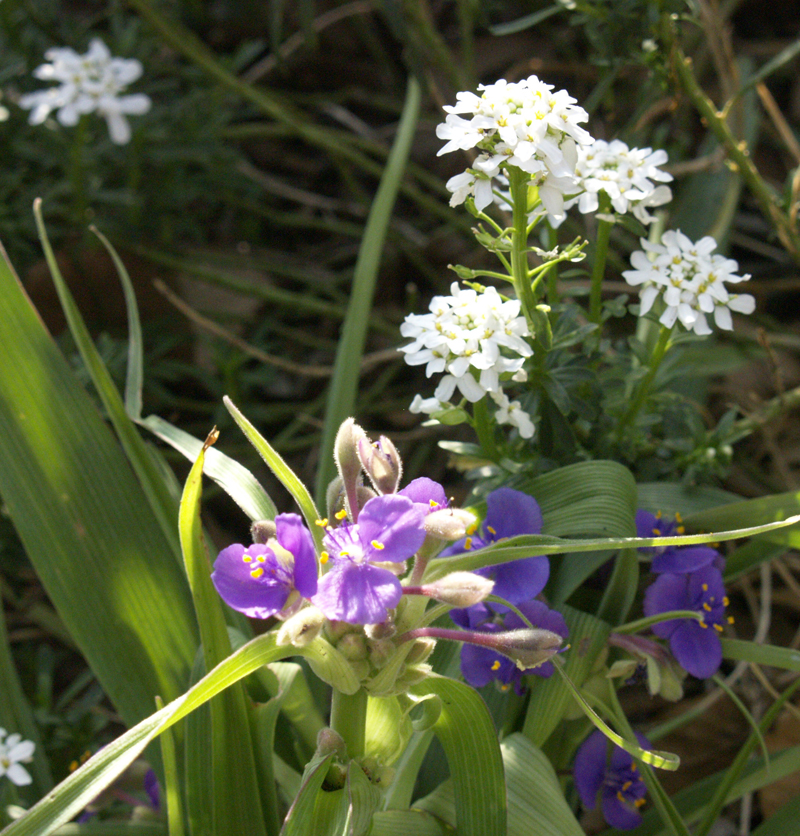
{"x":377,"y":545}
{"x":262,"y":558}
{"x":725,"y":601}
{"x":678,"y":518}
{"x":705,"y":587}
{"x":657,"y":532}
{"x":620,"y":796}
{"x":706,"y":607}
{"x":257,"y":573}
{"x":627,"y":785}
{"x":343,"y":553}
{"x":472,"y":529}
{"x":718,"y":628}
{"x":639,"y":802}
{"x":681,"y":529}
{"x":321,"y":523}
{"x":704,"y":625}
{"x":433,"y":503}
{"x":468,"y":543}
{"x":73,"y":766}
{"x":496,"y":666}
{"x":324,"y":557}
{"x":731,"y":620}
{"x":340,"y":515}
{"x":247,"y":559}
{"x":490,"y":530}
{"x":659,"y":515}
{"x":504,"y":687}
{"x":634,"y":767}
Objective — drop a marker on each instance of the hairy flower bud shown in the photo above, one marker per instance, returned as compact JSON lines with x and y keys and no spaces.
{"x":449,"y":523}
{"x":381,"y":462}
{"x":459,"y":589}
{"x":353,"y":646}
{"x":528,"y":647}
{"x":263,"y":530}
{"x":420,"y":651}
{"x":330,"y":742}
{"x":345,"y":452}
{"x":380,"y":651}
{"x":301,"y":629}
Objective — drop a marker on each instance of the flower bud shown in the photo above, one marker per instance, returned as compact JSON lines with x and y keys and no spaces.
{"x":459,"y":589}
{"x":262,"y":530}
{"x":420,"y":651}
{"x":353,"y":646}
{"x":301,"y":629}
{"x":383,"y":630}
{"x":449,"y":523}
{"x":412,"y":676}
{"x":528,"y":647}
{"x":380,"y":651}
{"x":330,"y":742}
{"x":345,"y":452}
{"x":381,"y":462}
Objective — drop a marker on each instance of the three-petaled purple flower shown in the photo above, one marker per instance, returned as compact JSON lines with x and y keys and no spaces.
{"x":675,"y":559}
{"x":355,"y":590}
{"x":263,"y":580}
{"x":480,"y":665}
{"x":615,"y":777}
{"x":509,"y":513}
{"x":694,"y":644}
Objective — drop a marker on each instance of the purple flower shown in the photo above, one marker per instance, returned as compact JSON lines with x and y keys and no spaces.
{"x":425,"y":492}
{"x":480,"y":665}
{"x":509,"y":513}
{"x":694,"y":644}
{"x":264,"y":579}
{"x":356,"y":590}
{"x":616,"y":778}
{"x":676,"y":559}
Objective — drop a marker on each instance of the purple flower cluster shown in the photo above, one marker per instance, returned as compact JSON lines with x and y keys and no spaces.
{"x":614,"y":777}
{"x":689,"y":578}
{"x":509,"y":513}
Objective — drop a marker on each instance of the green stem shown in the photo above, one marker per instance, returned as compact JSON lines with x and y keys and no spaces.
{"x":599,"y":266}
{"x":644,"y":387}
{"x":518,"y":182}
{"x":349,"y":719}
{"x":484,"y":428}
{"x":552,"y":272}
{"x":77,"y":172}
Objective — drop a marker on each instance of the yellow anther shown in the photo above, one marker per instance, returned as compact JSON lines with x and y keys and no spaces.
{"x":704,"y":625}
{"x":639,"y":802}
{"x":659,"y":515}
{"x":472,"y":529}
{"x":504,"y":687}
{"x":377,"y":545}
{"x":340,"y":515}
{"x":707,"y":607}
{"x":262,"y":558}
{"x":657,"y":532}
{"x":681,"y":529}
{"x":627,"y":785}
{"x":73,"y":766}
{"x":705,"y":587}
{"x":731,"y":620}
{"x":678,"y":518}
{"x":433,"y":503}
{"x":634,"y":767}
{"x":490,"y":530}
{"x":468,"y":543}
{"x":718,"y":628}
{"x":620,"y":796}
{"x":725,"y":601}
{"x":257,"y":572}
{"x":344,"y":553}
{"x":247,"y":559}
{"x":496,"y":666}
{"x":321,"y":523}
{"x":324,"y":557}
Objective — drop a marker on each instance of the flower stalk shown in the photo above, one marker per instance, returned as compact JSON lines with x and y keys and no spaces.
{"x":599,"y":266}
{"x":349,"y":720}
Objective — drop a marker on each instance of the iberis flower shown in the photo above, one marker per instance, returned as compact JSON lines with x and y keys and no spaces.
{"x":481,"y":665}
{"x":675,"y":559}
{"x":358,"y":589}
{"x":690,"y":281}
{"x":90,"y":82}
{"x":616,"y":778}
{"x":509,"y":513}
{"x":628,"y":176}
{"x":464,"y":336}
{"x":14,"y":751}
{"x":523,"y":124}
{"x":269,"y":579}
{"x":511,"y":412}
{"x":694,"y":644}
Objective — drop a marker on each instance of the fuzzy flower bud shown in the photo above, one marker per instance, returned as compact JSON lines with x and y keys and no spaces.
{"x":330,"y":742}
{"x":345,"y":452}
{"x":353,"y":646}
{"x":449,"y":523}
{"x":420,"y":651}
{"x":528,"y":647}
{"x":262,"y":531}
{"x":459,"y":589}
{"x":381,"y":462}
{"x":301,"y":629}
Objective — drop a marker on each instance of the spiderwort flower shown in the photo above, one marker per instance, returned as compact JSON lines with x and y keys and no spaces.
{"x":356,"y":590}
{"x":674,"y":559}
{"x":695,"y":644}
{"x":480,"y":665}
{"x":268,"y":579}
{"x":616,"y":778}
{"x":509,"y":513}
{"x":14,"y":751}
{"x":90,"y":82}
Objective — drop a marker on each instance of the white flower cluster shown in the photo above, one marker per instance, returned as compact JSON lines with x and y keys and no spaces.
{"x":690,"y":279}
{"x":90,"y":82}
{"x":466,"y":331}
{"x":627,"y":175}
{"x":15,"y":751}
{"x":523,"y":124}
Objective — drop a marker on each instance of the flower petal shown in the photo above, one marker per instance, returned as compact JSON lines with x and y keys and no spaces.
{"x":292,"y":534}
{"x":357,"y":593}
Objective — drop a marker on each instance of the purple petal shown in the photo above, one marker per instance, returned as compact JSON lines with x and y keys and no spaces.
{"x":259,"y":597}
{"x":357,"y":593}
{"x":687,"y":559}
{"x":510,"y":512}
{"x":519,"y":580}
{"x":477,"y":666}
{"x":152,"y":789}
{"x":474,"y":618}
{"x":667,"y":592}
{"x":617,"y":813}
{"x":426,"y":492}
{"x":646,"y":522}
{"x":590,"y":768}
{"x":296,"y":538}
{"x":697,"y":649}
{"x":393,"y":521}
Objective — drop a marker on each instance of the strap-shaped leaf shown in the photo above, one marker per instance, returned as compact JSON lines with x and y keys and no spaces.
{"x":405,"y":823}
{"x":469,"y":740}
{"x":85,"y":521}
{"x":761,"y":654}
{"x":752,"y":512}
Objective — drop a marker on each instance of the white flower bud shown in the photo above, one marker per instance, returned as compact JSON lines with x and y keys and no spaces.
{"x":460,"y":589}
{"x":449,"y":523}
{"x":301,"y":629}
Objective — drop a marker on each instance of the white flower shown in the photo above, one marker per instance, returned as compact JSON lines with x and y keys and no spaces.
{"x":511,"y":412}
{"x":689,"y":278}
{"x":627,"y":175}
{"x":427,"y":406}
{"x":90,"y":82}
{"x":15,"y":751}
{"x":463,"y":337}
{"x":523,"y":124}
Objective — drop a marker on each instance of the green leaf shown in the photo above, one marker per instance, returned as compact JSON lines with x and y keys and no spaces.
{"x":782,"y":821}
{"x":675,"y":497}
{"x":761,"y":654}
{"x":85,"y":520}
{"x":469,"y":740}
{"x":341,"y":399}
{"x":404,"y":823}
{"x":388,"y":730}
{"x":300,"y":818}
{"x":536,"y":804}
{"x":237,"y":807}
{"x":170,"y":795}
